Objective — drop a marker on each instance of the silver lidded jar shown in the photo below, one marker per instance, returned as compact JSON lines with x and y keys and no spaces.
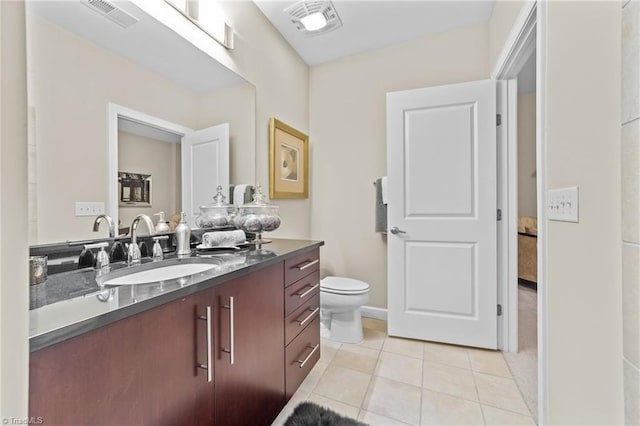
{"x":219,"y":215}
{"x":258,"y":216}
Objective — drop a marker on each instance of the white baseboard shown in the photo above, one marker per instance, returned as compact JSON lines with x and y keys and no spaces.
{"x":373,"y":312}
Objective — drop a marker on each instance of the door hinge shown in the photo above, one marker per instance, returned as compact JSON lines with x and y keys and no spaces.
{"x":498,"y":119}
{"x":499,"y":214}
{"x":499,"y":310}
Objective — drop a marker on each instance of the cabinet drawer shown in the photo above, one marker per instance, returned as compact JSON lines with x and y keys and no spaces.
{"x":301,"y":265}
{"x":301,"y":355}
{"x":301,"y":317}
{"x":300,"y":292}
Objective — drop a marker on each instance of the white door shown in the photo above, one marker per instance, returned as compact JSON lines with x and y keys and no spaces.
{"x":205,"y":165}
{"x":442,"y":261}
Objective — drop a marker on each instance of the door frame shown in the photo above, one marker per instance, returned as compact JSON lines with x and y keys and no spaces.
{"x":115,"y":111}
{"x":528,"y":32}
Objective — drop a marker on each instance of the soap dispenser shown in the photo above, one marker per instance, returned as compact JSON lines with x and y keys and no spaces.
{"x":162,"y":225}
{"x":183,"y":236}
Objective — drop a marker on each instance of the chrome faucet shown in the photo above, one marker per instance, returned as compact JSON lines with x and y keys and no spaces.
{"x":110,"y":223}
{"x":133,"y":251}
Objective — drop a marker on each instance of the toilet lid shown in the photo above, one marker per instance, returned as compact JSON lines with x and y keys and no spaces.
{"x":343,"y":285}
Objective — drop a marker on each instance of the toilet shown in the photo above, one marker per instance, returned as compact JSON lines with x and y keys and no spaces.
{"x":340,"y":302}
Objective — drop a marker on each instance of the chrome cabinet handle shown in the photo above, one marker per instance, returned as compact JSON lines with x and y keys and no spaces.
{"x":209,"y":365}
{"x":307,"y":265}
{"x":232,"y":339}
{"x":302,"y":295}
{"x":308,"y":317}
{"x":302,"y":362}
{"x":395,"y":231}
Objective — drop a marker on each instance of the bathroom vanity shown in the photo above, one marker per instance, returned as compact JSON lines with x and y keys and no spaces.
{"x":227,"y":347}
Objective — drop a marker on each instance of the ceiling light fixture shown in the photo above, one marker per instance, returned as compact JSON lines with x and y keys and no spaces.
{"x":314,"y":22}
{"x":313,"y":17}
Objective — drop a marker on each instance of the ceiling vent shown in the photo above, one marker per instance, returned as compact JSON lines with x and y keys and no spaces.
{"x":112,"y":12}
{"x":314,"y":17}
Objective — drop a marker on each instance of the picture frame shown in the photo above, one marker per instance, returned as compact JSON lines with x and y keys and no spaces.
{"x":288,"y":161}
{"x":134,"y":189}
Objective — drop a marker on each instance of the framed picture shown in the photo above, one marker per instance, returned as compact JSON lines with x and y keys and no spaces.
{"x":134,"y":189}
{"x":288,"y":161}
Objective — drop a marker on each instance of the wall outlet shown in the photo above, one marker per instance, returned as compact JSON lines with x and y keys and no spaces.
{"x":563,"y":204}
{"x":89,"y":208}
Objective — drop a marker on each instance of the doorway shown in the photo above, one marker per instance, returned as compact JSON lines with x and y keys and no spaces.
{"x":204,"y":158}
{"x":523,"y":359}
{"x":523,"y":324}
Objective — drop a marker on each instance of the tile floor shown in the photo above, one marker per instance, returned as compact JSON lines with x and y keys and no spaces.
{"x":524,"y":364}
{"x":391,"y":381}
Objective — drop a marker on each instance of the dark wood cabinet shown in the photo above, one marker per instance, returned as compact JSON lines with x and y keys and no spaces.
{"x":138,"y":371}
{"x":302,"y":321}
{"x":144,"y":369}
{"x":249,"y":368}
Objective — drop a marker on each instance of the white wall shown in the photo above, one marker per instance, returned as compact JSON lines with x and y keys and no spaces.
{"x":161,"y":160}
{"x":14,"y":289}
{"x":582,"y":102}
{"x":527,"y":202}
{"x":348,"y":134}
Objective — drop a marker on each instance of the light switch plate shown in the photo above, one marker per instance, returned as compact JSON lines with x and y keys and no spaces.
{"x":563,"y":204}
{"x":89,"y":208}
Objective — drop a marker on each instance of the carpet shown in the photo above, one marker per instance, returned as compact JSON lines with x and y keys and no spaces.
{"x":310,"y":414}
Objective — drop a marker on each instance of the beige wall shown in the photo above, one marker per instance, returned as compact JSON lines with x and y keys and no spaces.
{"x":501,"y":22}
{"x":631,"y":210}
{"x":281,"y":79}
{"x":138,"y":154}
{"x":582,"y":102}
{"x":14,"y":291}
{"x":527,"y":202}
{"x":348,"y":134}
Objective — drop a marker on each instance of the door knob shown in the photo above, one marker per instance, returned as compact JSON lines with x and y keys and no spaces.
{"x":396,"y":231}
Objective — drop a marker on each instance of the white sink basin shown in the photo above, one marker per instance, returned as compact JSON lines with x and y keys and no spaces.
{"x":163,"y":273}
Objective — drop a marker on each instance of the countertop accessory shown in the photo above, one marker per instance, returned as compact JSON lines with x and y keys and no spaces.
{"x":158,"y":253}
{"x":258,"y":217}
{"x":102,"y":258}
{"x":133,"y":251}
{"x":183,"y":236}
{"x":110,"y":223}
{"x":223,"y":238}
{"x":37,"y":269}
{"x":163,"y":225}
{"x":218,"y":215}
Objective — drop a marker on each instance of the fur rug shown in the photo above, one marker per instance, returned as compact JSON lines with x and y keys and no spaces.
{"x":310,"y":414}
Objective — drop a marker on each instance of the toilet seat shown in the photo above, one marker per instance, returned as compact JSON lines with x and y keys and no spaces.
{"x":341,"y":285}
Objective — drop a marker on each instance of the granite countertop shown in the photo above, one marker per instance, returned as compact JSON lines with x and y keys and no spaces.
{"x":71,"y":303}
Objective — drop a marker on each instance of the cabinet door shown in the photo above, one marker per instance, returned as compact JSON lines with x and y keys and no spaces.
{"x":140,"y":370}
{"x":249,"y":310}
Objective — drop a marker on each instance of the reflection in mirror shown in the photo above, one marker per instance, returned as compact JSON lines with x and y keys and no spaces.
{"x":78,"y":63}
{"x":146,"y":157}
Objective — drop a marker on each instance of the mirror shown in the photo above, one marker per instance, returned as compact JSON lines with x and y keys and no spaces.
{"x":78,"y":62}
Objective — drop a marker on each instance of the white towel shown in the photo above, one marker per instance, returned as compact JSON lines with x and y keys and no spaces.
{"x":385,"y":200}
{"x":223,"y":238}
{"x":238,"y":194}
